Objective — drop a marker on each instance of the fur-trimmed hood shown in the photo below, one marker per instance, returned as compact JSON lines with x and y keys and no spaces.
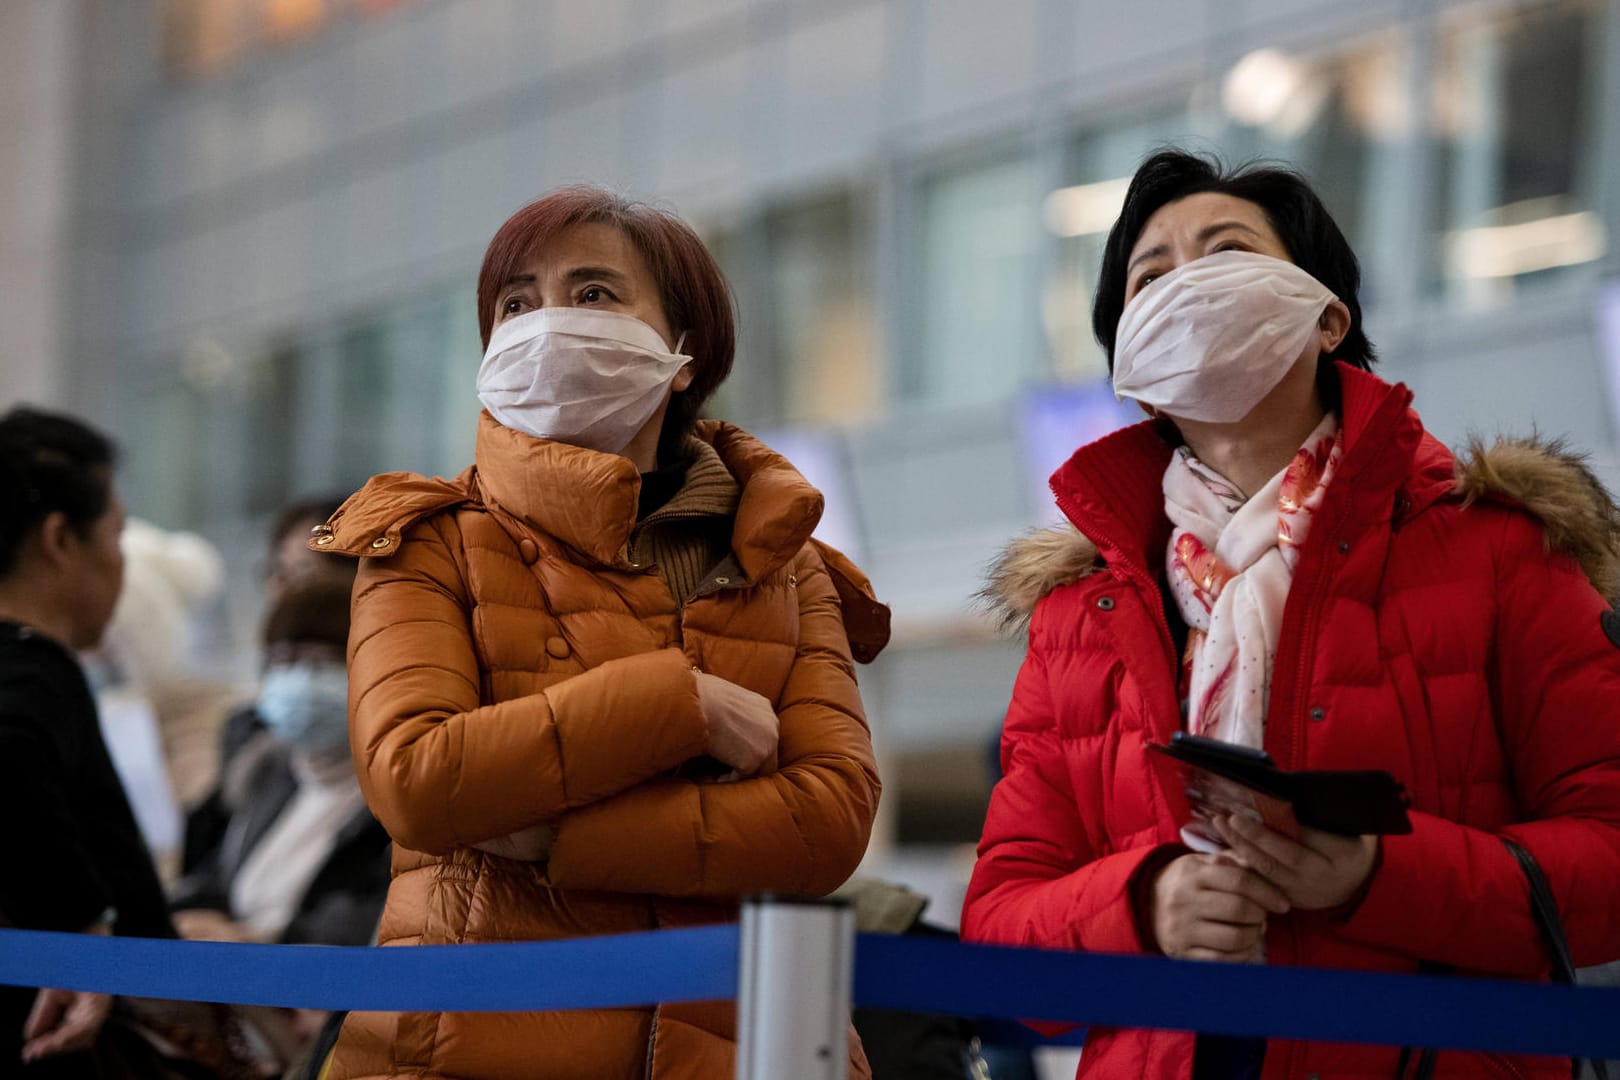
{"x":1544,"y":477}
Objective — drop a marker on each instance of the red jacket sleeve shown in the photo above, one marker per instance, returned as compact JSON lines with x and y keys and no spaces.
{"x":1555,"y":690}
{"x":1039,"y":881}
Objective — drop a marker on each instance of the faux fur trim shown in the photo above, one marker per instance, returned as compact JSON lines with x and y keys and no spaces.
{"x":1542,"y":476}
{"x":1547,"y":479}
{"x":1032,"y":566}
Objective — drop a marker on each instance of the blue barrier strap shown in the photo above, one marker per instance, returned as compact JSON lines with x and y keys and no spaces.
{"x":917,"y":974}
{"x":1236,"y":999}
{"x":699,"y":964}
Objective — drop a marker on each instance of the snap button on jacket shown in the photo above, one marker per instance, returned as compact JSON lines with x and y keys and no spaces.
{"x":492,"y":690}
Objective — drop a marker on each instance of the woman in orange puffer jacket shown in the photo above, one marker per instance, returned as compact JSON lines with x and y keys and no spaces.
{"x":603,"y":681}
{"x":1284,"y":559}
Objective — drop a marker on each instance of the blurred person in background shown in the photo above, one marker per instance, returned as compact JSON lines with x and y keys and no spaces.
{"x":291,"y":561}
{"x":75,"y":858}
{"x":603,"y":681}
{"x":149,"y":686}
{"x":300,"y":859}
{"x":1282,"y":558}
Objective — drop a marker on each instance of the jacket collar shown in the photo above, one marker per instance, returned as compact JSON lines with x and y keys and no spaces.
{"x":1393,"y":470}
{"x":585,"y":499}
{"x":1112,"y":489}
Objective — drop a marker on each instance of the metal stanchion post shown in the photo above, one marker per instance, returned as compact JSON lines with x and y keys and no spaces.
{"x":797,"y":964}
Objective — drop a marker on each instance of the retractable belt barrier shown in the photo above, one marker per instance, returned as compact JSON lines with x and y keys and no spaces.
{"x":917,"y":974}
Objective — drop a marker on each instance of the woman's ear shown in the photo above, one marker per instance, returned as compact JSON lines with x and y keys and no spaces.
{"x":1332,"y":327}
{"x":683,"y":378}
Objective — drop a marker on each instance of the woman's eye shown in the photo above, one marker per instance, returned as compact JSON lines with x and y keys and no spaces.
{"x":593,"y":294}
{"x":1145,"y":280}
{"x":512,"y":305}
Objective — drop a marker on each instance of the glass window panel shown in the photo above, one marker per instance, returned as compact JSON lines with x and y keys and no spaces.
{"x":807,"y":349}
{"x":457,"y":358}
{"x":1341,"y":120}
{"x":822,"y":322}
{"x":752,"y":396}
{"x":1512,"y":111}
{"x":974,"y":331}
{"x":161,"y":470}
{"x":365,"y":388}
{"x":270,"y":428}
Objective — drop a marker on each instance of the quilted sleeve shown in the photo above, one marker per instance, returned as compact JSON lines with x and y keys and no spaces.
{"x":1038,"y":881}
{"x":801,"y":829}
{"x":439,"y":770}
{"x":1555,"y":685}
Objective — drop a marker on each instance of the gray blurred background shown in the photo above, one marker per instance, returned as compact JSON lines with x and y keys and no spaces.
{"x":243,"y":236}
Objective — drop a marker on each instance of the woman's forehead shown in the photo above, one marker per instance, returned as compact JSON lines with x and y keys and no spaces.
{"x":1192,"y":215}
{"x":586,"y":243}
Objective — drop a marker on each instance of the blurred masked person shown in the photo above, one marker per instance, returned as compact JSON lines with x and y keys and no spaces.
{"x":290,"y":564}
{"x":601,"y":682}
{"x":301,"y":860}
{"x":1284,"y":559}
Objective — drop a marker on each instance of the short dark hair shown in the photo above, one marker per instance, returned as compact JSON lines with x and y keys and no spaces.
{"x":314,"y":612}
{"x":1302,"y":223}
{"x":49,"y":463}
{"x":696,"y":297}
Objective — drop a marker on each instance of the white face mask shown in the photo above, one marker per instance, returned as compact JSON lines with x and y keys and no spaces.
{"x":305,"y":704}
{"x":583,"y":377}
{"x":1209,"y":340}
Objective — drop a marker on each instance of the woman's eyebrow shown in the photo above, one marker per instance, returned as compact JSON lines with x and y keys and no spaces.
{"x":597,"y":273}
{"x":1151,"y":253}
{"x":1208,"y":231}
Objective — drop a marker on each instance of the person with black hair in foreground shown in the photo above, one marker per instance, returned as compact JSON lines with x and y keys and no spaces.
{"x":75,"y":856}
{"x":75,"y":860}
{"x":1282,"y":558}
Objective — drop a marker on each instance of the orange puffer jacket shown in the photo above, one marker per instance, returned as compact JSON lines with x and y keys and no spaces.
{"x":509,"y":666}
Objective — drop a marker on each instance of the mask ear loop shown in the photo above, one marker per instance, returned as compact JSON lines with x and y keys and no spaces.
{"x":678,"y":343}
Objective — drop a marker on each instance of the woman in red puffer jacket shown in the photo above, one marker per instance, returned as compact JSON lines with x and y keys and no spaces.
{"x":1284,"y":559}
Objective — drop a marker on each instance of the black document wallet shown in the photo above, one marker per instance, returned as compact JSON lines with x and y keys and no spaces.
{"x":1348,"y":802}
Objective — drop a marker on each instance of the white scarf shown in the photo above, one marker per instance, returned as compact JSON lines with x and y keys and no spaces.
{"x":1230,"y":565}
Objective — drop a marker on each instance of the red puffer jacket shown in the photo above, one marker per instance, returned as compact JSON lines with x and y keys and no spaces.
{"x":1442,"y":626}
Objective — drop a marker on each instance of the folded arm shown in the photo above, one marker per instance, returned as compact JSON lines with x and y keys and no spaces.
{"x":441,"y":771}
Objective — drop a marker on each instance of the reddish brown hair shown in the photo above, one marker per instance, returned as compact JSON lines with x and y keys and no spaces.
{"x":696,"y":299}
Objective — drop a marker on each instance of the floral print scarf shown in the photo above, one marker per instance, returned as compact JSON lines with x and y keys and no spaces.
{"x":1230,"y":565}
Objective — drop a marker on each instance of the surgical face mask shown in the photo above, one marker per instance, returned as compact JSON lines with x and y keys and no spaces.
{"x":583,"y":377}
{"x":305,"y":704}
{"x":1209,"y":340}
